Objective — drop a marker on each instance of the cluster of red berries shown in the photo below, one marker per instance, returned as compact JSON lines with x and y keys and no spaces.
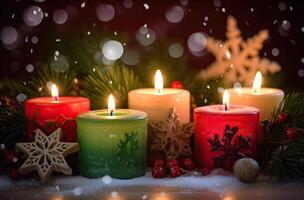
{"x":290,"y":132}
{"x":172,"y":167}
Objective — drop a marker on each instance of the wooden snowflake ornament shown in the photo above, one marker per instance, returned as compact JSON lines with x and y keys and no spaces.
{"x":238,"y":60}
{"x":46,"y":154}
{"x":171,"y":136}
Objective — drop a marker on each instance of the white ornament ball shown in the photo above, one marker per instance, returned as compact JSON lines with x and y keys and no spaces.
{"x":246,"y":169}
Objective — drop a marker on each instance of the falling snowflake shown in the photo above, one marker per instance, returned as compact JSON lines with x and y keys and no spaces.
{"x":237,"y":59}
{"x":146,"y":6}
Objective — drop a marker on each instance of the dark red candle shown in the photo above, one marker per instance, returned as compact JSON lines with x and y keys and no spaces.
{"x":50,"y":113}
{"x":223,"y":134}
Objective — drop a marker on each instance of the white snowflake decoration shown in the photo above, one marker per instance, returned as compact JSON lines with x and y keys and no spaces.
{"x":46,"y":154}
{"x":237,"y":60}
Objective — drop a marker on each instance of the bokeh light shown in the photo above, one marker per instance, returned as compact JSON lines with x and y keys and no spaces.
{"x":130,"y":57}
{"x":29,"y":68}
{"x":60,"y":16}
{"x":128,"y":3}
{"x":34,"y":40}
{"x":105,"y":12}
{"x":301,"y":73}
{"x":60,"y":64}
{"x":9,"y":35}
{"x":175,"y":50}
{"x":98,"y":57}
{"x":275,"y":52}
{"x":145,"y":36}
{"x":197,"y":42}
{"x":112,"y":50}
{"x":21,"y":97}
{"x":175,"y":14}
{"x":32,"y":16}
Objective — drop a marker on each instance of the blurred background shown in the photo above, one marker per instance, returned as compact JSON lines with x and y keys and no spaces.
{"x":70,"y":35}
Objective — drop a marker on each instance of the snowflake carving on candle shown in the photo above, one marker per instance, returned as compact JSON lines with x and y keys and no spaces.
{"x":232,"y":146}
{"x":171,"y":136}
{"x":127,"y":149}
{"x":238,"y":60}
{"x":46,"y":154}
{"x":50,"y":125}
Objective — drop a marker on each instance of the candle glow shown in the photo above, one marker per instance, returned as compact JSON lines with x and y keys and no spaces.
{"x":158,"y":81}
{"x":111,"y":105}
{"x":226,"y":100}
{"x":257,"y":82}
{"x":54,"y":92}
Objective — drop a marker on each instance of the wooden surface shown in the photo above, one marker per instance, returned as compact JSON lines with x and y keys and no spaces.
{"x":186,"y":188}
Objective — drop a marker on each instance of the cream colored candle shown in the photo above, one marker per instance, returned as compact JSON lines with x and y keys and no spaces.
{"x":265,"y":99}
{"x":157,"y":101}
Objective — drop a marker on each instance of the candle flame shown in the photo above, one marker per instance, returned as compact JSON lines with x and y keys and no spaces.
{"x":256,"y":86}
{"x":54,"y":92}
{"x":111,"y":105}
{"x":158,"y":81}
{"x":226,"y":100}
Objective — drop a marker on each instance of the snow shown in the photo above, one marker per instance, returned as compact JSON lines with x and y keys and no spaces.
{"x":77,"y":185}
{"x":77,"y":191}
{"x":107,"y":179}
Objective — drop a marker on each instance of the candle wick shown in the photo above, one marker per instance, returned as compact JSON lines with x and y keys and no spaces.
{"x":226,"y":107}
{"x":55,"y":98}
{"x":112,"y":112}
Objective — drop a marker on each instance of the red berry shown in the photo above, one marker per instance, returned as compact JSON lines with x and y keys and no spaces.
{"x":158,"y":172}
{"x":175,"y":171}
{"x":14,"y":174}
{"x":291,"y":133}
{"x":205,"y":171}
{"x":188,"y":164}
{"x":159,"y":163}
{"x":171,"y":163}
{"x":282,"y":117}
{"x":176,"y":84}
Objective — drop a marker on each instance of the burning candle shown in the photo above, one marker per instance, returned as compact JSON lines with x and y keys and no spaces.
{"x":266,"y":99}
{"x":49,"y":113}
{"x":112,"y":142}
{"x":214,"y":147}
{"x":157,"y":101}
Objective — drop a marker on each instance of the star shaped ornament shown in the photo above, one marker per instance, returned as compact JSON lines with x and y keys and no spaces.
{"x":237,"y":60}
{"x":46,"y":154}
{"x":171,"y":136}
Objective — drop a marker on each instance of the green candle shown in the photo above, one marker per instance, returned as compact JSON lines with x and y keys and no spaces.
{"x":112,"y":142}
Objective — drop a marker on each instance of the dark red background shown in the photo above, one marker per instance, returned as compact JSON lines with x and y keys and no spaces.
{"x":129,"y":20}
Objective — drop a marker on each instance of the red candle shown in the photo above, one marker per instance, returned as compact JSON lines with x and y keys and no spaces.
{"x":225,"y":133}
{"x":50,"y":113}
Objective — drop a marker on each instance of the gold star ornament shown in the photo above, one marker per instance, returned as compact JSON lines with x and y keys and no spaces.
{"x":46,"y":154}
{"x":236,"y":59}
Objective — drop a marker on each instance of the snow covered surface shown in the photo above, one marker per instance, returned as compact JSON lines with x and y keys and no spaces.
{"x":76,"y":185}
{"x":217,"y":185}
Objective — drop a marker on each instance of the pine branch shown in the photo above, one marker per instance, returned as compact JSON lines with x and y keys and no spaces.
{"x":117,"y":80}
{"x":284,"y":157}
{"x":36,"y":85}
